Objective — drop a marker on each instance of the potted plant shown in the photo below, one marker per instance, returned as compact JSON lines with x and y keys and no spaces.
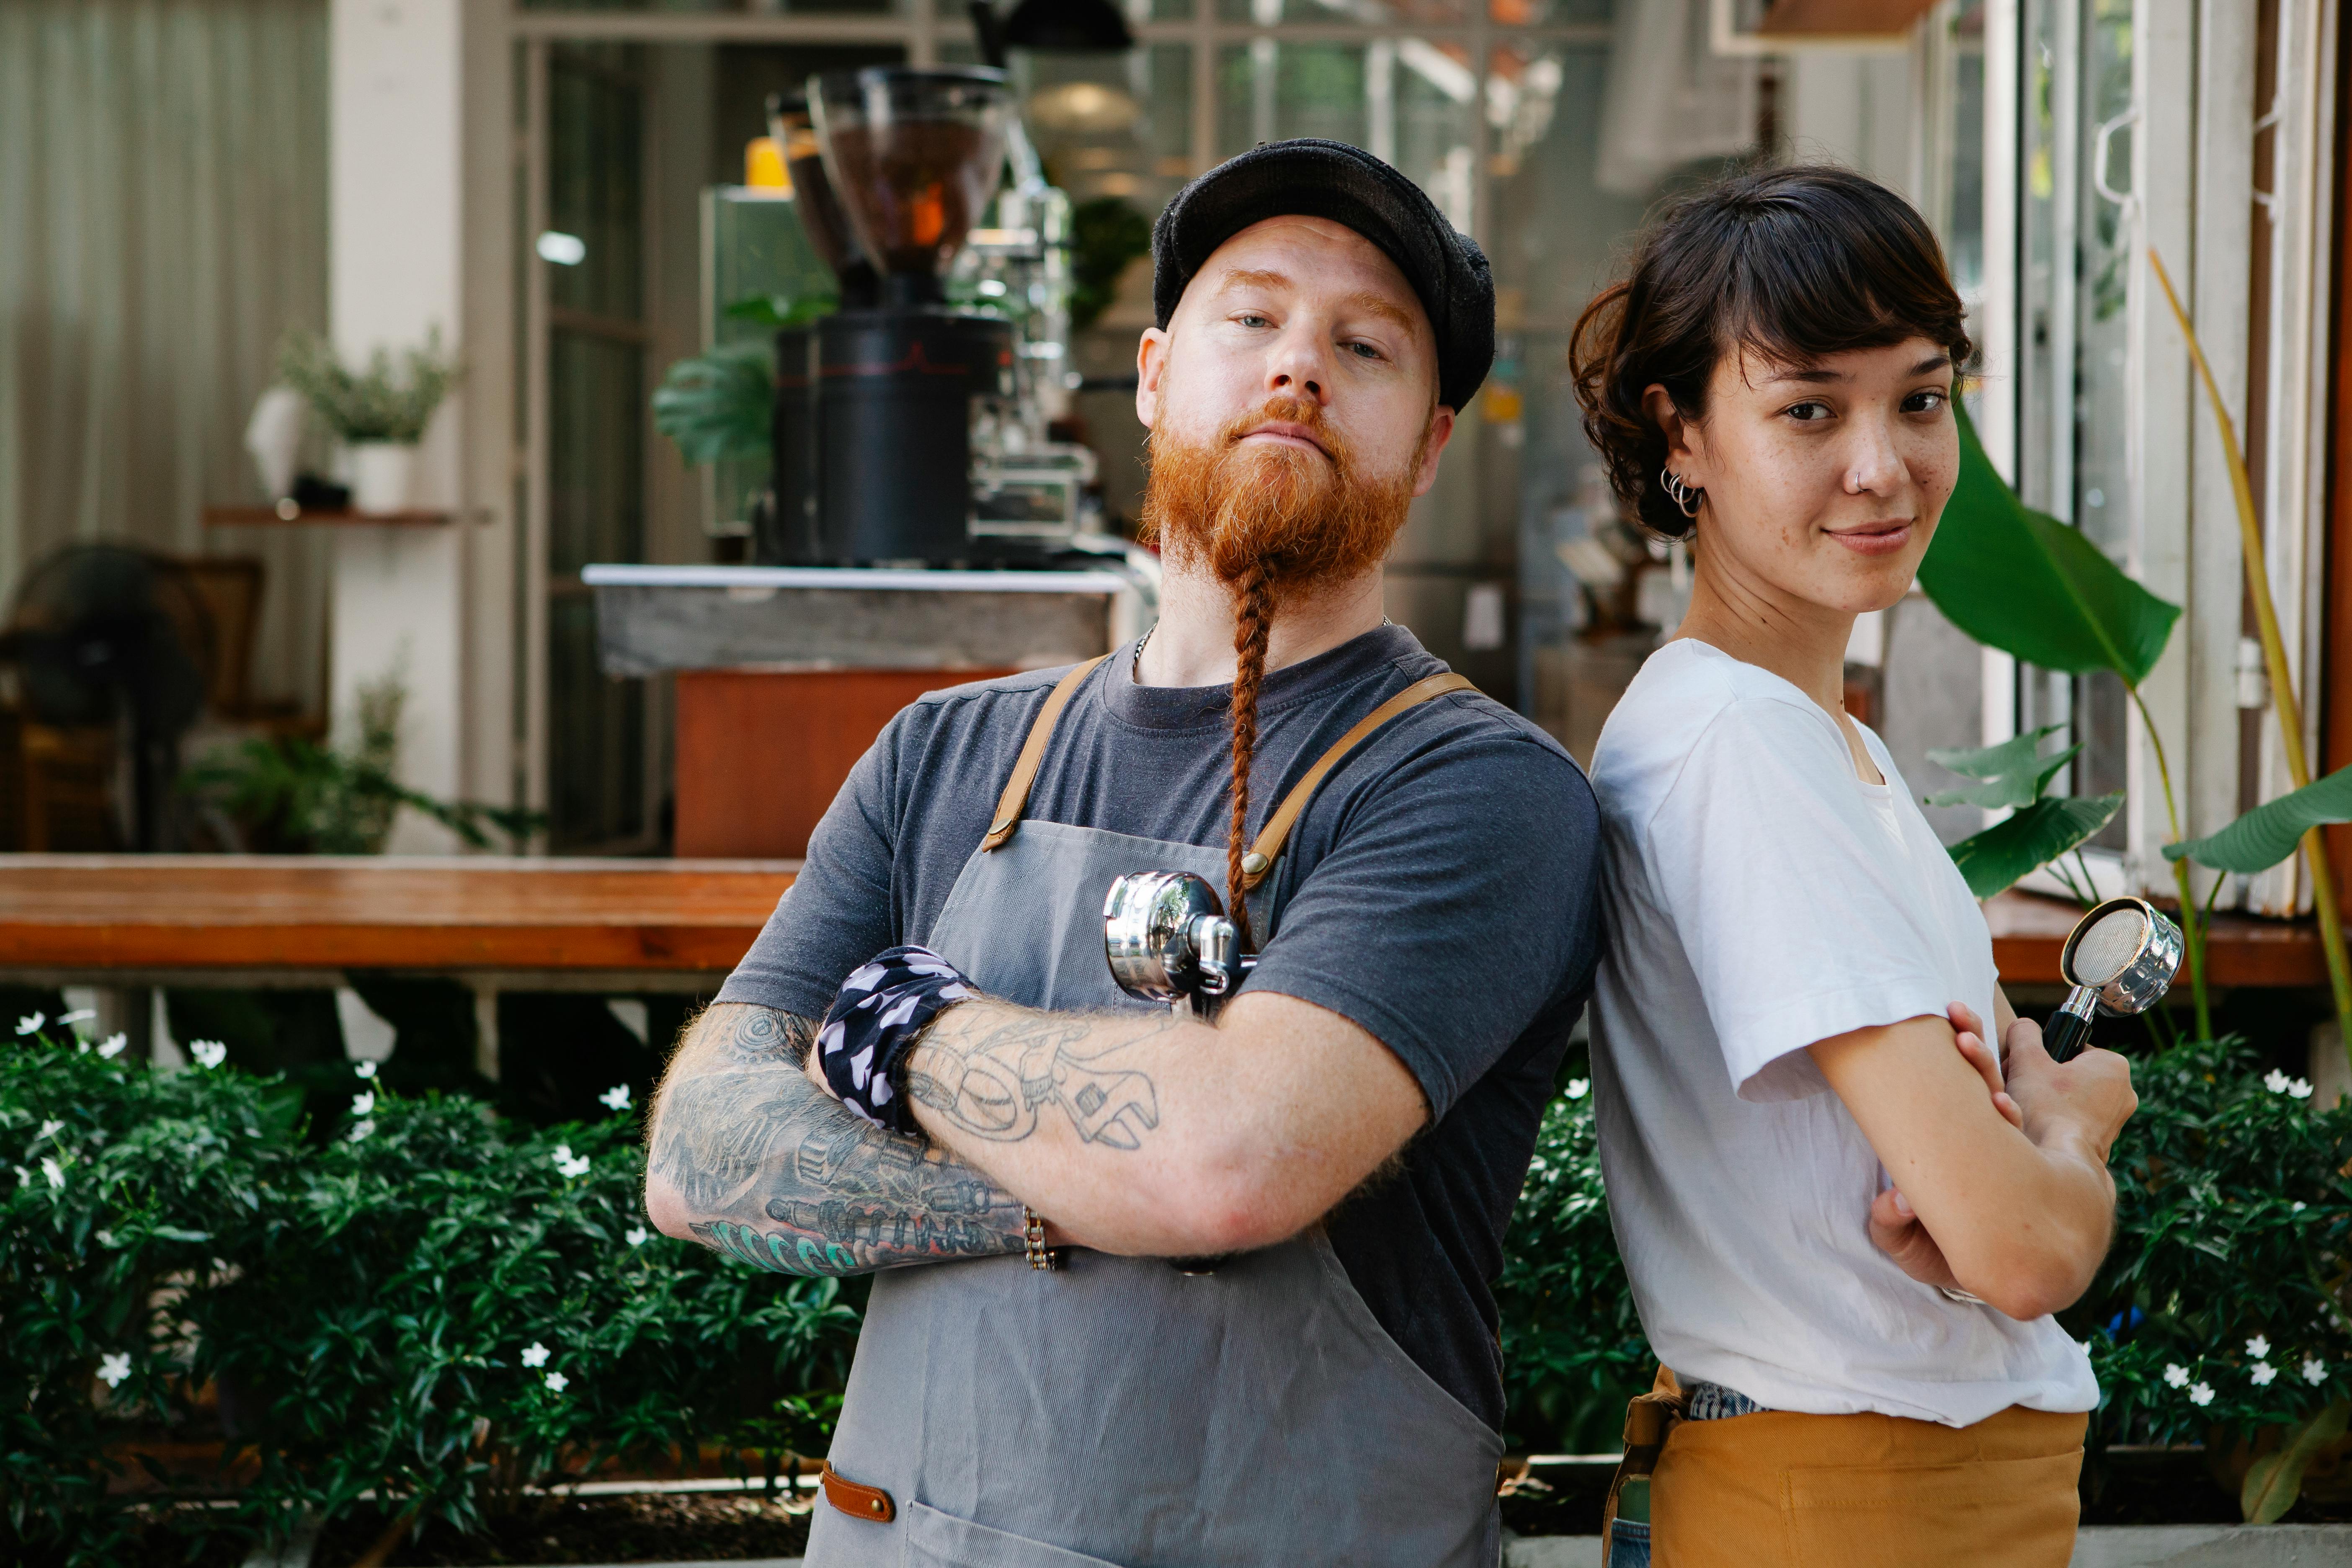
{"x":381,"y":416}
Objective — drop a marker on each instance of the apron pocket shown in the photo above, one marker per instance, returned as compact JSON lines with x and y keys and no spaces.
{"x":936,"y":1540}
{"x":2020,"y":1513}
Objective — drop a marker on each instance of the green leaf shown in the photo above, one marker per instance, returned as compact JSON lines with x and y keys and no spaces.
{"x":2014,"y":772}
{"x":782,"y":310}
{"x":717,"y":404}
{"x":2026,"y":584}
{"x":2276,"y":1478}
{"x":2268,"y":834}
{"x":2034,"y":837}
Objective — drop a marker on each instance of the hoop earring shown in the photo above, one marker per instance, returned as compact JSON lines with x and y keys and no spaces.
{"x":1685,"y":498}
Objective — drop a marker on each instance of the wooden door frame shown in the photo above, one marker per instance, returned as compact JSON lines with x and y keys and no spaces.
{"x":2335,"y":664}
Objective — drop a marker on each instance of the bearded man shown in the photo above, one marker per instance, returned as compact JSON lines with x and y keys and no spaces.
{"x":1331,"y":1160}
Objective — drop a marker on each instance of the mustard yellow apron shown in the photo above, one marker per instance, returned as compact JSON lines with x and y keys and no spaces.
{"x":1779,"y":1490}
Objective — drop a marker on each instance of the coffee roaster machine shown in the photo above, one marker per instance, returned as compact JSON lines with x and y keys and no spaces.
{"x":913,"y":425}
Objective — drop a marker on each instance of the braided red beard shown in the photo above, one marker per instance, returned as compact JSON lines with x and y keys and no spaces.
{"x":1302,"y":519}
{"x":1268,"y":520}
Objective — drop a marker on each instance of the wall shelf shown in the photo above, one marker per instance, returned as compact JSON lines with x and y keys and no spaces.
{"x":286,"y":513}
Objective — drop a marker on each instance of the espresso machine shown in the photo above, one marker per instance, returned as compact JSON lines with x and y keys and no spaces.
{"x":880,"y":406}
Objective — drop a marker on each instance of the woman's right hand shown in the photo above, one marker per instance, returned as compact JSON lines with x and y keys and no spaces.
{"x":2083,"y":1102}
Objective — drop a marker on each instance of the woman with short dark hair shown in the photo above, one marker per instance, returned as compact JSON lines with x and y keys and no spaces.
{"x":1845,"y":1226}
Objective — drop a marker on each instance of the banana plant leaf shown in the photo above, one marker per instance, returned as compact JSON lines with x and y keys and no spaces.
{"x":2014,"y":773}
{"x":2276,"y":1478}
{"x":2026,"y":584}
{"x":2268,"y":834}
{"x":2034,"y":837}
{"x":719,"y":404}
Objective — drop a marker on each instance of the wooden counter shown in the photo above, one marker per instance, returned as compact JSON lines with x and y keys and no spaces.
{"x":2028,"y":931}
{"x":275,"y":913}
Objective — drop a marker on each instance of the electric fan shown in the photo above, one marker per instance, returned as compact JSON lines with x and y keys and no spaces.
{"x":105,"y":634}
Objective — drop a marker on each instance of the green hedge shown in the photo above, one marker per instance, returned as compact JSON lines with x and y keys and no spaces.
{"x":414,"y":1298}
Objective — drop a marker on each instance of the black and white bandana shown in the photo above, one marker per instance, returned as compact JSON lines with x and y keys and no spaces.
{"x":873,"y":1023}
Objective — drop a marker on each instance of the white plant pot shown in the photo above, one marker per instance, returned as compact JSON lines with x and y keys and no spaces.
{"x":381,"y":473}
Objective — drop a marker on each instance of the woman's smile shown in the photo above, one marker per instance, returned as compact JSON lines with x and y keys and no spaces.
{"x":1889,"y":536}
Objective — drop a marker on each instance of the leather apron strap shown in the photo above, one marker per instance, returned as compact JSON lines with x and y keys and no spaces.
{"x":1267,"y":848}
{"x":1016,"y":799}
{"x":1650,"y":1419}
{"x":1259,"y":864}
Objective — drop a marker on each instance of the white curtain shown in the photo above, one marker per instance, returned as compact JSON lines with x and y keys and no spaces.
{"x":162,"y":221}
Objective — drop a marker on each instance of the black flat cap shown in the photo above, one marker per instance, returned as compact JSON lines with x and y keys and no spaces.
{"x":1312,"y":178}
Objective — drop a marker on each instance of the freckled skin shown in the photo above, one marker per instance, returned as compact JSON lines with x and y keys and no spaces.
{"x":1789,"y":465}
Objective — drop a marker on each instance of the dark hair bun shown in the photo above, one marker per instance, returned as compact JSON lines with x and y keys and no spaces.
{"x":1794,"y":264}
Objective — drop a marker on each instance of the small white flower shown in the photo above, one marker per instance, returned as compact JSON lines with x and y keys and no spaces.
{"x":2262,"y":1372}
{"x":209,"y":1053}
{"x":49,"y":1129}
{"x":635,"y":1236}
{"x":575,"y":1170}
{"x":617,"y":1098}
{"x":2296,"y":1207}
{"x":556,"y":1382}
{"x":361,"y":1129}
{"x":79,"y":1016}
{"x":30,"y":1022}
{"x":2275,"y":1082}
{"x":2299,"y":1089}
{"x":105,"y":1238}
{"x":2201,"y":1395}
{"x":112,"y":1045}
{"x":57,"y":1178}
{"x":2177,"y":1375}
{"x":112,"y":1369}
{"x":2259,"y":1346}
{"x":81,"y":1046}
{"x":365,"y":1069}
{"x":364,"y":1104}
{"x":2315,"y":1371}
{"x":535,"y":1354}
{"x":1578,"y":1088}
{"x":563,"y":1153}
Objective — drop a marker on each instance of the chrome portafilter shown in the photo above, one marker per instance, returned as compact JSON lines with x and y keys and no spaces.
{"x":1168,"y":941}
{"x":2120,"y":959}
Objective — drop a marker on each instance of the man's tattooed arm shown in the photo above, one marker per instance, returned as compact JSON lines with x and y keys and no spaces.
{"x":748,"y":1158}
{"x":993,"y":1071}
{"x":1149,"y":1134}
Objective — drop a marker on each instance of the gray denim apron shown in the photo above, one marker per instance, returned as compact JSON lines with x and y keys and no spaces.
{"x":1117,"y":1411}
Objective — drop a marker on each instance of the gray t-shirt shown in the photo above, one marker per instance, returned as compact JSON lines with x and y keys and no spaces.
{"x":1441,"y":893}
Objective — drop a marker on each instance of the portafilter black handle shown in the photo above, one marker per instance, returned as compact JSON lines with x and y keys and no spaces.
{"x":2069,"y":1029}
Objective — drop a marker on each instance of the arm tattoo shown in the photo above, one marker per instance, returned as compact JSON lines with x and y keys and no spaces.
{"x":991,"y":1075}
{"x":777,"y":1174}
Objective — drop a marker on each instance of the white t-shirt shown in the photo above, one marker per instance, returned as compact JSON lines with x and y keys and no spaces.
{"x":1761,"y":898}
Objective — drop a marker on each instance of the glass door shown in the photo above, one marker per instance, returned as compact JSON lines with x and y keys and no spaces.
{"x":593,"y":251}
{"x":2075,"y":381}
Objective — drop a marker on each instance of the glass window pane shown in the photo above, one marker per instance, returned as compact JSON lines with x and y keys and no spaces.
{"x":1405,"y":100}
{"x":597,"y":434}
{"x":1111,"y":125}
{"x":596,"y":736}
{"x":595,"y":195}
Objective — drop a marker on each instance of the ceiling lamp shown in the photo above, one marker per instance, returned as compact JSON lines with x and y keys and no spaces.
{"x":1083,"y":108}
{"x":1068,"y":27}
